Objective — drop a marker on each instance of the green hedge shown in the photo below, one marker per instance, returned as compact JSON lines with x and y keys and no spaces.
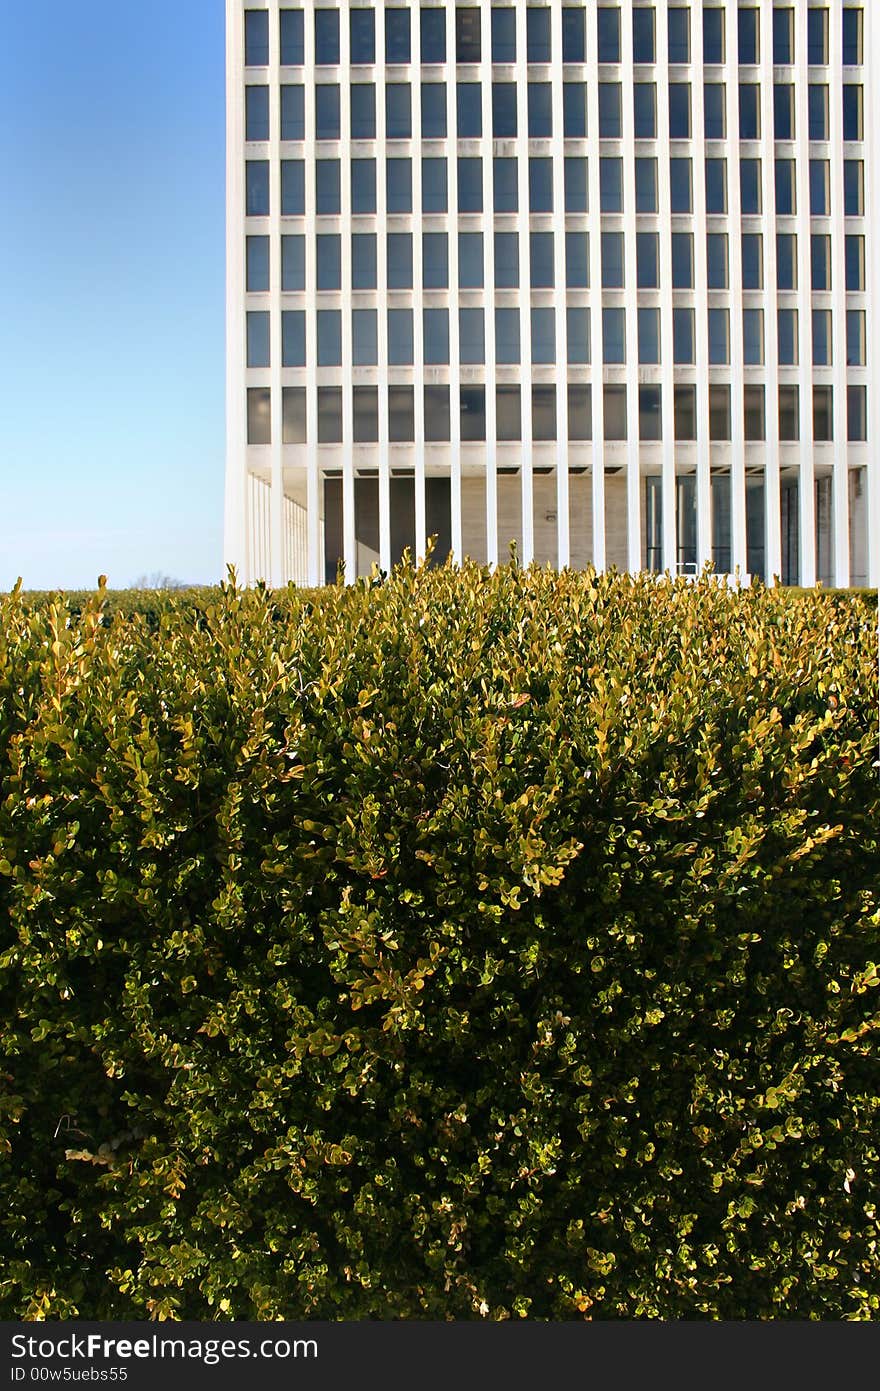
{"x":460,"y":946}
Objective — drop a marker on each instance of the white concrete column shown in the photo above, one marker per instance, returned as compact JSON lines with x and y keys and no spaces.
{"x":800,"y":151}
{"x":277,"y":575}
{"x":631,"y":301}
{"x":560,"y":297}
{"x":382,"y":375}
{"x":664,"y":204}
{"x":418,"y":300}
{"x":733,"y":227}
{"x":840,"y":509}
{"x":872,"y":208}
{"x":772,"y":500}
{"x":236,"y":529}
{"x":314,"y":500}
{"x":597,"y":348}
{"x":454,"y":351}
{"x":697,"y":152}
{"x":488,"y":226}
{"x":525,"y":222}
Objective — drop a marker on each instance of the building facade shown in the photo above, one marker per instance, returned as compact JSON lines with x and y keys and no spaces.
{"x":594,"y":279}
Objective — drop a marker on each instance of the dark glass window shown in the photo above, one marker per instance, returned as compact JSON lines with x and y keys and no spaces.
{"x":363,"y":110}
{"x":713,"y":36}
{"x":683,"y":340}
{"x":433,"y":110}
{"x":397,"y":36}
{"x":820,"y":262}
{"x":574,"y":36}
{"x":753,"y":337}
{"x":576,"y":195}
{"x":329,"y":414}
{"x":507,"y":338}
{"x":750,"y":186}
{"x":508,"y":411}
{"x":783,"y":37}
{"x":749,"y":111}
{"x":470,"y":185}
{"x":717,"y":260}
{"x":256,"y":38}
{"x":257,"y":263}
{"x":472,"y":403}
{"x":364,"y":337}
{"x":787,"y":332}
{"x":754,"y":424}
{"x":574,"y":110}
{"x":541,"y":260}
{"x":257,"y":188}
{"x":853,"y":117}
{"x":543,"y":412}
{"x":716,"y":185}
{"x":645,"y":110}
{"x":853,"y":26}
{"x":327,"y":189}
{"x":433,"y":25}
{"x":580,"y":412}
{"x":398,"y":111}
{"x":818,"y":109}
{"x":577,"y":333}
{"x":293,"y":187}
{"x":719,"y":412}
{"x":644,"y":47}
{"x":538,"y":34}
{"x":614,"y":401}
{"x":329,"y":338}
{"x":326,"y":37}
{"x":611,"y":184}
{"x":820,"y":187}
{"x":293,"y":113}
{"x":256,"y":121}
{"x":327,"y":112}
{"x":292,"y":39}
{"x":435,"y":261}
{"x":507,"y":261}
{"x":823,"y":414}
{"x":467,"y":35}
{"x":685,"y":407}
{"x":329,"y":261}
{"x":647,"y":260}
{"x":610,"y":110}
{"x":786,"y":261}
{"x":504,"y":110}
{"x":365,"y":419}
{"x":783,"y":110}
{"x":789,"y":413}
{"x":577,"y":261}
{"x":363,"y":36}
{"x":505,"y":188}
{"x":856,"y":410}
{"x":293,"y":262}
{"x":543,"y":323}
{"x":719,"y":337}
{"x":541,"y":185}
{"x":470,"y":260}
{"x":713,"y":110}
{"x":612,"y":260}
{"x":401,"y":414}
{"x":293,"y":409}
{"x":749,"y":37}
{"x":363,"y":261}
{"x":437,"y":421}
{"x":785,"y":188}
{"x":436,"y":335}
{"x":853,"y":188}
{"x":469,"y":109}
{"x":398,"y":184}
{"x":679,"y":21}
{"x":682,"y":185}
{"x":682,"y":260}
{"x":540,"y":111}
{"x":400,"y":337}
{"x":435,"y":191}
{"x":646,"y":186}
{"x":400,"y":261}
{"x":817,"y":37}
{"x":471,"y":336}
{"x":650,"y":413}
{"x":608,"y":31}
{"x":679,"y":111}
{"x":259,"y":415}
{"x":855,"y":264}
{"x":257,"y":338}
{"x":504,"y":35}
{"x":753,"y":261}
{"x":821,"y":337}
{"x":363,"y":186}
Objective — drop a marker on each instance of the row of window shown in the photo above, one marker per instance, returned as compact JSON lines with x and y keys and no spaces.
{"x":540,"y":272}
{"x":539,"y":111}
{"x":539,"y":43}
{"x":471,"y":406}
{"x":327,"y":175}
{"x":507,"y":323}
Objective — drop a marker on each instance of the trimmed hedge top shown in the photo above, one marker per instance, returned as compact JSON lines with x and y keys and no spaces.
{"x":458,"y":946}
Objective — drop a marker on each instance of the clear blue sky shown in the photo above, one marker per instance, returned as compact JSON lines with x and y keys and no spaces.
{"x":112,"y":242}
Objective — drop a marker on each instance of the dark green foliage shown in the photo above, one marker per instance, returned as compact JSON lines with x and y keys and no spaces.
{"x":457,"y":946}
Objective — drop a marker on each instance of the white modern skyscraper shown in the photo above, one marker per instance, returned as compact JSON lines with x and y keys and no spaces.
{"x":594,"y":278}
